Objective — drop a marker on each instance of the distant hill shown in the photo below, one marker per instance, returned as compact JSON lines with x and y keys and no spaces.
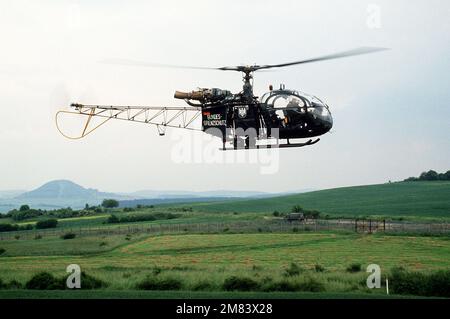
{"x":402,"y":199}
{"x":62,"y":189}
{"x":57,"y":194}
{"x":65,"y":193}
{"x":153,"y":194}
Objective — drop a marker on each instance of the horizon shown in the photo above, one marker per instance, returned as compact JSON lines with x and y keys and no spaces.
{"x":201,"y":190}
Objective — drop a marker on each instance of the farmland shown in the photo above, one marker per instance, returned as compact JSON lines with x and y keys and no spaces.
{"x":193,"y":250}
{"x":204,"y":262}
{"x":407,"y":200}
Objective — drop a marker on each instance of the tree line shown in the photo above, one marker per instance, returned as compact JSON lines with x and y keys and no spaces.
{"x":430,"y":176}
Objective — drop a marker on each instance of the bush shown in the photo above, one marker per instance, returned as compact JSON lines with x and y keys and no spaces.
{"x":8,"y":227}
{"x":240,"y":284}
{"x":354,"y":268}
{"x":87,"y":281}
{"x":14,"y":284}
{"x":312,"y":285}
{"x":276,"y":213}
{"x":415,"y":283}
{"x":68,"y":236}
{"x":37,"y":236}
{"x":202,"y":285}
{"x":48,"y":223}
{"x":293,"y":270}
{"x":44,"y":281}
{"x":156,"y":283}
{"x":141,"y":217}
{"x":319,"y":268}
{"x":282,"y":285}
{"x":2,"y":251}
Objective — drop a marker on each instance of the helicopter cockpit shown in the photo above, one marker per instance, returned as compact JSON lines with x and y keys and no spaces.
{"x":296,"y":113}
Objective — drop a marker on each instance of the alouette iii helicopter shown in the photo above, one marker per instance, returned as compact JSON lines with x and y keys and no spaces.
{"x":241,"y":119}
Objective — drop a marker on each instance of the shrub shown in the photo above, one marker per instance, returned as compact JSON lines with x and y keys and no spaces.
{"x":240,"y":284}
{"x":2,"y":251}
{"x":276,"y":213}
{"x":8,"y":227}
{"x":89,"y":282}
{"x":113,"y":219}
{"x":156,"y":283}
{"x":354,"y":267}
{"x":282,"y":285}
{"x":37,"y":236}
{"x":14,"y":284}
{"x":293,"y":270}
{"x":68,"y":236}
{"x":295,"y":230}
{"x":202,"y":285}
{"x":319,"y":268}
{"x":17,"y":237}
{"x":103,"y":243}
{"x":44,"y":281}
{"x":141,"y":217}
{"x":415,"y":283}
{"x":312,"y":285}
{"x":48,"y":223}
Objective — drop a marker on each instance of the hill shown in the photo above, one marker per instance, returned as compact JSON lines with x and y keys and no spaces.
{"x":61,"y":189}
{"x":402,"y":199}
{"x":58,"y":194}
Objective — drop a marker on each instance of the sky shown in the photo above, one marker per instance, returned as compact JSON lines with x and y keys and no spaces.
{"x":391,"y":109}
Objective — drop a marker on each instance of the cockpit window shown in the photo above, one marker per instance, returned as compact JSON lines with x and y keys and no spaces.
{"x":283,"y":99}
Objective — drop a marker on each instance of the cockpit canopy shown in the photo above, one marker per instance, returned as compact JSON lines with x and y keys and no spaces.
{"x":283,"y":100}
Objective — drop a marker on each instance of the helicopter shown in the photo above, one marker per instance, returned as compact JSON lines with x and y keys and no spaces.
{"x":240,"y":119}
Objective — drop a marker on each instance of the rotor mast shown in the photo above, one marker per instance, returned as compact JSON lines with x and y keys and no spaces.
{"x":248,"y":86}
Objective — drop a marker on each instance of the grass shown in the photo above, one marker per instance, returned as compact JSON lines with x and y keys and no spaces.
{"x":212,"y":258}
{"x":409,"y":200}
{"x":142,"y":294}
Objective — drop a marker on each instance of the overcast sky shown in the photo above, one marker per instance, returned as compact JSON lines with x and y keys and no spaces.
{"x":391,"y":109}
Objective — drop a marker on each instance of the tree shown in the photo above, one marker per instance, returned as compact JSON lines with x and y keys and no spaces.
{"x":297,"y":209}
{"x":110,"y":203}
{"x":429,"y":176}
{"x":24,"y":208}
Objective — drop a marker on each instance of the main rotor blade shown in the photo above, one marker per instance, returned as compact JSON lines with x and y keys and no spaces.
{"x":153,"y":65}
{"x":357,"y":51}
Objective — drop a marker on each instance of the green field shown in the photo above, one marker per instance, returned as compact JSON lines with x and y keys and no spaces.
{"x":288,"y":263}
{"x":414,"y":200}
{"x":204,"y":262}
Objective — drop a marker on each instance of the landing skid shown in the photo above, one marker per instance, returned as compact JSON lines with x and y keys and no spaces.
{"x":307,"y":143}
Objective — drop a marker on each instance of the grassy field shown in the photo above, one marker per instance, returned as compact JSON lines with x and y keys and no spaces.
{"x":145,"y":294}
{"x":413,"y":200}
{"x":204,"y":262}
{"x":301,"y":264}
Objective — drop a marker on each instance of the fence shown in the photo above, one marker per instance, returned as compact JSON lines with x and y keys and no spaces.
{"x":275,"y":226}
